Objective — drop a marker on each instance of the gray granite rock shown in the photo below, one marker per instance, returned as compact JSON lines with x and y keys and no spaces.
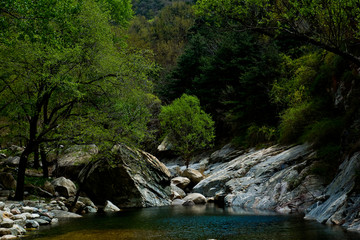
{"x":131,"y":178}
{"x":197,"y":198}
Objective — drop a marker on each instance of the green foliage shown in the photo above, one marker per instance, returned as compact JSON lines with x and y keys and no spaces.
{"x":331,"y":25}
{"x":36,"y":181}
{"x":151,"y":8}
{"x":231,"y":73}
{"x":329,"y":153}
{"x":324,"y":132}
{"x":297,"y":77}
{"x":295,"y":119}
{"x":165,"y":35}
{"x":65,"y":76}
{"x":76,"y":76}
{"x":256,"y":135}
{"x":329,"y":158}
{"x":187,"y":126}
{"x":120,"y":10}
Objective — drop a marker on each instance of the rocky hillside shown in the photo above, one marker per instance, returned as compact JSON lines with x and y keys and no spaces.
{"x":282,"y":179}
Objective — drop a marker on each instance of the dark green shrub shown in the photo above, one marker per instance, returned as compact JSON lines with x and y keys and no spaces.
{"x":256,"y":135}
{"x":324,"y":132}
{"x":295,"y":119}
{"x":36,"y":181}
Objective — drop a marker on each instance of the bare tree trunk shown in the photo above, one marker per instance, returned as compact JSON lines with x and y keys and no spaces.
{"x":19,"y":193}
{"x":36,"y":158}
{"x":44,"y":162}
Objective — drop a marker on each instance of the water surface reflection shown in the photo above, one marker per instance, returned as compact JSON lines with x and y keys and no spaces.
{"x":197,"y":222}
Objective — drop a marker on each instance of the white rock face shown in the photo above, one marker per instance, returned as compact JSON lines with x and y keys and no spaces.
{"x":272,"y":178}
{"x":340,"y":205}
{"x":280,"y":178}
{"x":110,"y":207}
{"x":130,"y":178}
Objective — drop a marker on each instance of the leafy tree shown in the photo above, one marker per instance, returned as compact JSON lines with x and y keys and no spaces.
{"x":120,"y":10}
{"x":330,"y":25}
{"x":151,"y":8}
{"x":165,"y":35}
{"x":231,"y":73}
{"x":59,"y":68}
{"x":187,"y":126}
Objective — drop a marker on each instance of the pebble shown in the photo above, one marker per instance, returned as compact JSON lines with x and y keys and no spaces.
{"x":5,"y":231}
{"x":8,"y":237}
{"x":32,"y":224}
{"x":41,"y":221}
{"x":7,"y":223}
{"x":28,"y":209}
{"x":15,"y":211}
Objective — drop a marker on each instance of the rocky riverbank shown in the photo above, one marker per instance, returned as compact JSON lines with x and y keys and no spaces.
{"x":279,"y":178}
{"x":16,"y":218}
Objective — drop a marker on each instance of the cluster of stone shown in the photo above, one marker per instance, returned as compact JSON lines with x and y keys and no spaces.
{"x":16,"y":218}
{"x":181,"y":187}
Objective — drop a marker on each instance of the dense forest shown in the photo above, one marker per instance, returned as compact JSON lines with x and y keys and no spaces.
{"x":201,"y":73}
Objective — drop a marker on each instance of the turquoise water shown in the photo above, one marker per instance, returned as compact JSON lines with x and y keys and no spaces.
{"x":197,"y":222}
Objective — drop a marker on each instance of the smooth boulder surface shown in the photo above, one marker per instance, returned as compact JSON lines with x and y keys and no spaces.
{"x":225,"y":154}
{"x":65,"y":214}
{"x":110,"y":207}
{"x":275,"y":178}
{"x":177,"y":202}
{"x":181,"y":182}
{"x":188,"y":203}
{"x":7,"y":180}
{"x":194,"y":175}
{"x":65,"y":187}
{"x":197,"y":198}
{"x":74,"y":159}
{"x":129,"y":178}
{"x":177,"y":192}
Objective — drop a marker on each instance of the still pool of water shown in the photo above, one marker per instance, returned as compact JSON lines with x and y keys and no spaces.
{"x":197,"y":222}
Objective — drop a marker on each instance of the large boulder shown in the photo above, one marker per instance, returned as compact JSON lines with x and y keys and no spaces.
{"x":73,"y":160}
{"x":110,"y":207}
{"x":12,"y":161}
{"x":181,"y":182}
{"x":177,"y":192}
{"x":194,"y":175}
{"x":65,"y":187}
{"x":197,"y":198}
{"x":7,"y":180}
{"x":128,"y":178}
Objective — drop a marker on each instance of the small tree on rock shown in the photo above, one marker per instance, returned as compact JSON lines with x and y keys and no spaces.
{"x":187,"y":126}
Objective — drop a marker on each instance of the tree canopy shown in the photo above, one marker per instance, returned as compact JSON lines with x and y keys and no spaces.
{"x":61,"y":71}
{"x":187,"y":127}
{"x":331,"y":25}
